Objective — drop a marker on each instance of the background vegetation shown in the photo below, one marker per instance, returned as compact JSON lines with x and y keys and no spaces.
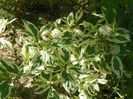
{"x":69,"y":49}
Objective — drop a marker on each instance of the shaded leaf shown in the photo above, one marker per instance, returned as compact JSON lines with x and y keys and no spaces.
{"x":12,"y":68}
{"x":88,"y":26}
{"x":90,"y":50}
{"x":117,"y":66}
{"x":5,"y":90}
{"x":46,"y":76}
{"x":42,"y":89}
{"x":67,"y":76}
{"x":118,"y":39}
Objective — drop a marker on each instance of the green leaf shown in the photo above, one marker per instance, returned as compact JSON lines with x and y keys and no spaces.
{"x":46,"y":76}
{"x":98,"y":15}
{"x":110,"y":14}
{"x":84,"y":94}
{"x":31,"y":28}
{"x":78,"y":15}
{"x":118,"y":39}
{"x":46,"y":27}
{"x":53,"y":94}
{"x":90,"y":42}
{"x":123,"y":31}
{"x":70,"y":19}
{"x":36,"y":60}
{"x":64,"y":41}
{"x":25,"y":52}
{"x":117,"y":66}
{"x":103,"y":67}
{"x":2,"y":68}
{"x":12,"y":68}
{"x":5,"y":90}
{"x":65,"y":55}
{"x":67,"y":76}
{"x":88,"y":26}
{"x":3,"y":72}
{"x":102,"y":81}
{"x":42,"y":89}
{"x":90,"y":50}
{"x":115,"y":49}
{"x":75,"y":70}
{"x":6,"y":44}
{"x":68,"y":86}
{"x":3,"y":23}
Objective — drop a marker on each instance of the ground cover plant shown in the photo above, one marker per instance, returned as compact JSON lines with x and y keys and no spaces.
{"x":85,"y":55}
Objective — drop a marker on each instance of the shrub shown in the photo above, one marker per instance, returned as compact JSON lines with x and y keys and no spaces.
{"x":68,"y":58}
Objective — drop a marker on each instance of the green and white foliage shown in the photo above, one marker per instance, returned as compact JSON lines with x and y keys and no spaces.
{"x":68,"y":59}
{"x":72,"y":59}
{"x":3,"y":42}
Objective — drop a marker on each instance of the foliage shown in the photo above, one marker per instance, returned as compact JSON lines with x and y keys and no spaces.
{"x":68,"y":59}
{"x":87,"y":54}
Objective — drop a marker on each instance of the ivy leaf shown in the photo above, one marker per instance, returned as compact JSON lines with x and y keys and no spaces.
{"x":117,"y":66}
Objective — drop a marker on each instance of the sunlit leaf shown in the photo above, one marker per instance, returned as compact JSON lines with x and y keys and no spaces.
{"x":78,"y":15}
{"x":31,"y":29}
{"x":70,"y":19}
{"x":53,"y":94}
{"x":6,"y":44}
